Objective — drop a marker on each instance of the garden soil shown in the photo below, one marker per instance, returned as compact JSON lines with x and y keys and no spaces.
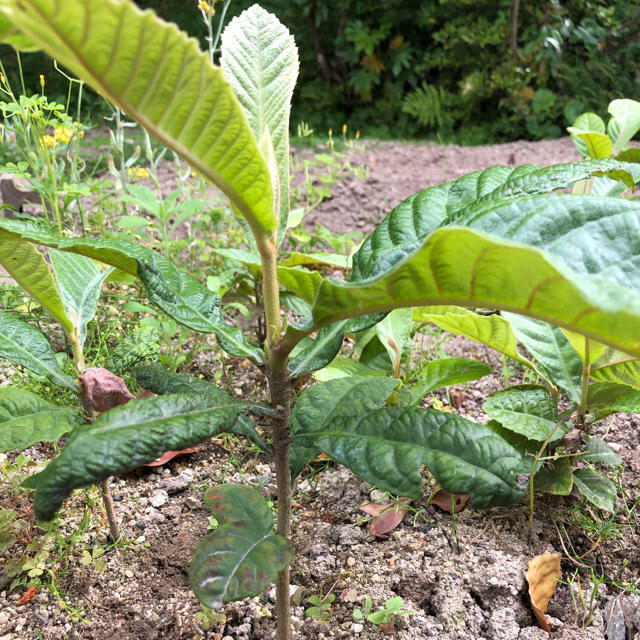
{"x":461,"y":578}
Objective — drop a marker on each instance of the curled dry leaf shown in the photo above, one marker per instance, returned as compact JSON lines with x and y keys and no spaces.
{"x":168,"y":455}
{"x":103,"y":390}
{"x":542,"y":576}
{"x":27,"y":596}
{"x":445,"y":500}
{"x":386,"y":516}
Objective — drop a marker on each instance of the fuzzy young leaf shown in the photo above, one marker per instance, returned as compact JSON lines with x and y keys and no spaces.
{"x":387,"y":447}
{"x":624,"y":123}
{"x":25,"y":345}
{"x":127,"y":437}
{"x":26,"y":418}
{"x":79,"y":281}
{"x":260,"y":61}
{"x":318,"y":405}
{"x":163,"y":81}
{"x":243,"y":555}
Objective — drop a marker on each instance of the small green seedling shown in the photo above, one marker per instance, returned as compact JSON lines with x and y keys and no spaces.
{"x":358,"y":614}
{"x":321,"y":609}
{"x":391,"y":612}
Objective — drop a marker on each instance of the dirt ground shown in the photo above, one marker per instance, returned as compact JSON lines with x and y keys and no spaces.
{"x":463,"y":578}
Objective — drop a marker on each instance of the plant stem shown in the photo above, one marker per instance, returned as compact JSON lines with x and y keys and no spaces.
{"x":584,"y":391}
{"x":271,"y":298}
{"x":281,"y":399}
{"x":110,"y":510}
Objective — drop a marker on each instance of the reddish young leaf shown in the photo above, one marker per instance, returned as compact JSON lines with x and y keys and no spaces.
{"x":442,"y":499}
{"x":169,"y":455}
{"x":103,"y":390}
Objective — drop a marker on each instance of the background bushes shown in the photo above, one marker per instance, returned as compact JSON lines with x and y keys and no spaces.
{"x":447,"y":68}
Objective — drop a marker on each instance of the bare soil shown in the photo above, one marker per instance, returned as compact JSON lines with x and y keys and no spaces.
{"x":463,"y":577}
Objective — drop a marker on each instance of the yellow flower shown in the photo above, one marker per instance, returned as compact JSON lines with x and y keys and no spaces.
{"x":203,"y":5}
{"x":357,"y":134}
{"x":139,"y":173}
{"x":49,"y":142}
{"x":42,"y":81}
{"x":78,"y":130}
{"x":330,"y":132}
{"x":194,"y":175}
{"x":344,"y":129}
{"x":63,"y":134}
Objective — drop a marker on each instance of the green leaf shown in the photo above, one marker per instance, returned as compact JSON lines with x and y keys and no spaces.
{"x":343,"y":367}
{"x":552,"y":350}
{"x":465,"y":267}
{"x":492,"y":330}
{"x":595,"y":488}
{"x":526,"y":409}
{"x":79,"y":282}
{"x":448,"y":371}
{"x":599,"y":451}
{"x":587,"y":122}
{"x":409,"y":224}
{"x":387,"y":446}
{"x":324,"y":259}
{"x":25,"y":419}
{"x":579,"y":345}
{"x":132,"y":222}
{"x":127,"y":437}
{"x":598,"y":145}
{"x":624,"y":123}
{"x":394,"y":332}
{"x":602,"y":393}
{"x":161,"y":381}
{"x":557,"y":480}
{"x":316,"y":406}
{"x":260,"y":61}
{"x":10,"y":35}
{"x":29,"y":268}
{"x":176,"y":293}
{"x":243,"y":555}
{"x":615,"y":366}
{"x":163,"y":81}
{"x":27,"y":346}
{"x":629,"y":403}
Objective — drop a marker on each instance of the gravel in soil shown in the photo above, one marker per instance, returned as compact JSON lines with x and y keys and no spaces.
{"x":463,"y":577}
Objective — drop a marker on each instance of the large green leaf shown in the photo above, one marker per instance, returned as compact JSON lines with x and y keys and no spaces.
{"x":161,"y":381}
{"x":408,"y":224}
{"x":492,"y":330}
{"x":163,"y":81}
{"x":243,"y":555}
{"x":129,"y":436}
{"x":343,"y":367}
{"x":79,"y":281}
{"x":29,"y":268}
{"x":465,"y":267}
{"x":26,"y":418}
{"x":444,"y":373}
{"x":388,"y":446}
{"x":260,"y":61}
{"x":585,"y":123}
{"x":624,"y":123}
{"x":526,"y":409}
{"x":10,"y":35}
{"x":552,"y":350}
{"x":25,"y":345}
{"x":318,"y":405}
{"x":614,"y":366}
{"x":598,"y":145}
{"x":557,"y":480}
{"x":176,"y":293}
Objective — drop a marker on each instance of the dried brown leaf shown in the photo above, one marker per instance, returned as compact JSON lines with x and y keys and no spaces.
{"x":169,"y":455}
{"x":28,"y":596}
{"x":386,"y":516}
{"x":443,"y":499}
{"x":542,"y":576}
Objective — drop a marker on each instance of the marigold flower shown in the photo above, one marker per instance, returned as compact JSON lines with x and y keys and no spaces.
{"x":42,"y":81}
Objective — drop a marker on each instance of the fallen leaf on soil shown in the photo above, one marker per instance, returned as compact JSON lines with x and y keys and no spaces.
{"x":27,"y":596}
{"x":168,"y":455}
{"x":458,"y":398}
{"x":103,"y":390}
{"x":386,"y":518}
{"x":443,"y":500}
{"x":542,"y":576}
